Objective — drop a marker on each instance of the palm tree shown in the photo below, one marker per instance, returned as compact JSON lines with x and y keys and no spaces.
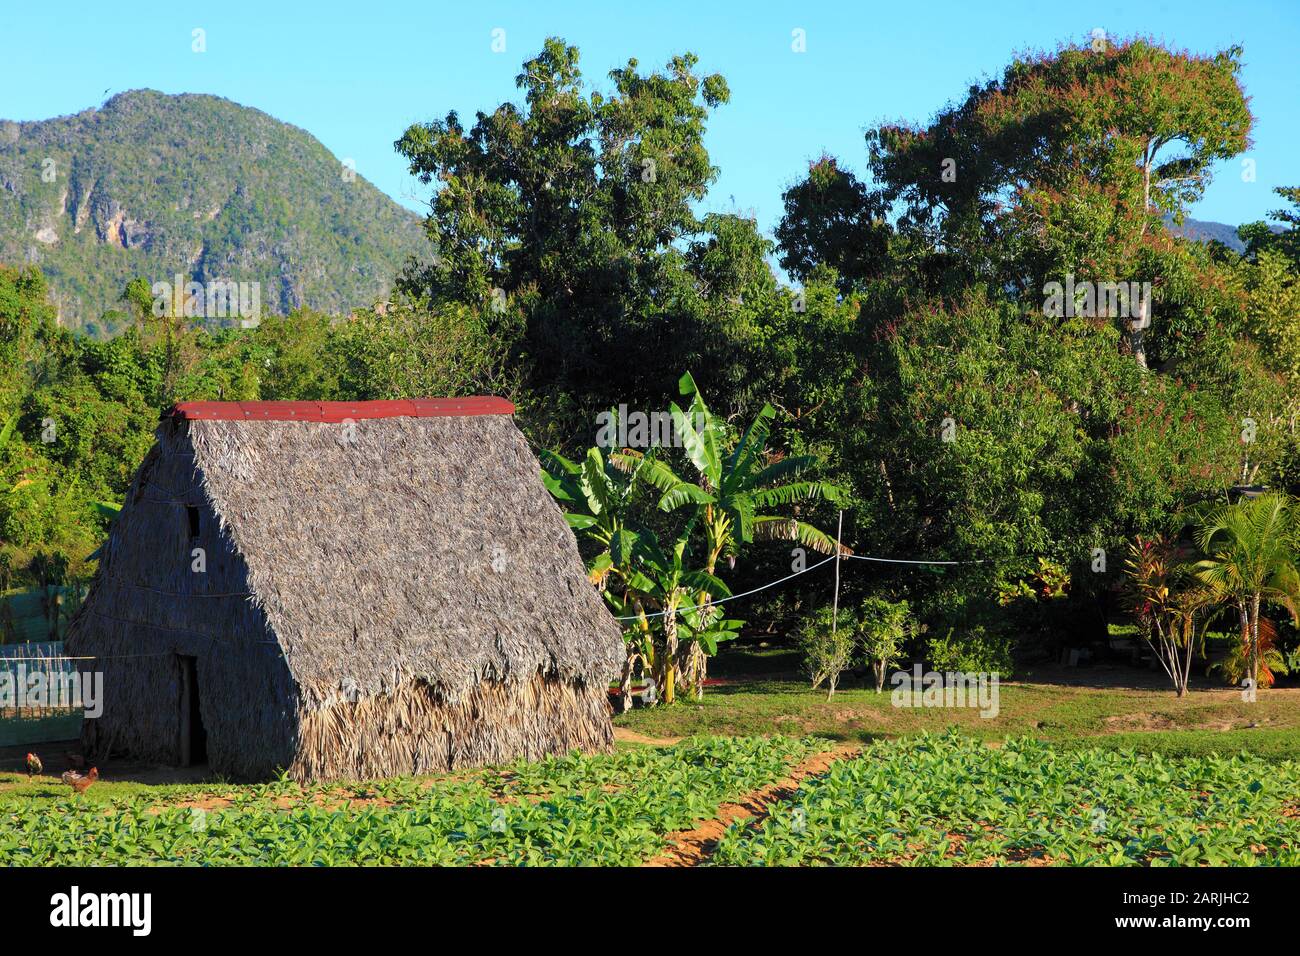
{"x":1250,"y":559}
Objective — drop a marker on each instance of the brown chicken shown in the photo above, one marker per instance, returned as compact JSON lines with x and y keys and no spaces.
{"x":79,"y":783}
{"x":34,"y":765}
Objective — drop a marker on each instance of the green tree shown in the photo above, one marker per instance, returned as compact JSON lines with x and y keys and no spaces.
{"x":1068,"y":163}
{"x":573,"y":205}
{"x":1260,"y":237}
{"x":884,"y":627}
{"x":831,"y":219}
{"x":985,"y":434}
{"x":829,"y":643}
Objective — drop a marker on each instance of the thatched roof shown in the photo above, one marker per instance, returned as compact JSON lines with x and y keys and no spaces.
{"x":419,"y":544}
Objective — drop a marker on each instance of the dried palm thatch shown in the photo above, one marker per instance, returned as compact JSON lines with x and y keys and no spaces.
{"x":381,"y":596}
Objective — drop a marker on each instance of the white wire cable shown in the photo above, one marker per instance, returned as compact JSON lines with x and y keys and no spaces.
{"x":770,"y":584}
{"x":863,"y":557}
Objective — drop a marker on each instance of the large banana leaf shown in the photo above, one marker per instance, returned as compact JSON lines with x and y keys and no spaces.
{"x":595,"y":484}
{"x":555,"y":463}
{"x":740,"y":508}
{"x":772,"y":528}
{"x":701,"y":446}
{"x":708,"y":583}
{"x":684,"y":494}
{"x":621,"y":546}
{"x":751,"y":445}
{"x":794,"y":492}
{"x":785,"y":468}
{"x":560,"y":489}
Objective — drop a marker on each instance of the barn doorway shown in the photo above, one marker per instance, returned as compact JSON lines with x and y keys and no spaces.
{"x":193,"y":736}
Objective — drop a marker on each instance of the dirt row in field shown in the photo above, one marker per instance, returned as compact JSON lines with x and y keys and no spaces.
{"x":693,"y":847}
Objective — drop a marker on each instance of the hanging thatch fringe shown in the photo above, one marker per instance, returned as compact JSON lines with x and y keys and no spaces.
{"x":418,"y":732}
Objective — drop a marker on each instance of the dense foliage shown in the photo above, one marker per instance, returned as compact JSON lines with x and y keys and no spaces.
{"x":916,"y":359}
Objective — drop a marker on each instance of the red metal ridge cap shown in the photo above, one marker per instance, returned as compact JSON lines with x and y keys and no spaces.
{"x":342,"y":411}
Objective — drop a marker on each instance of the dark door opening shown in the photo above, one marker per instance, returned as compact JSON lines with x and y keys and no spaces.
{"x":193,"y":736}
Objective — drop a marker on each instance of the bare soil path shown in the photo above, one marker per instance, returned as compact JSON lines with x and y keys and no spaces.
{"x":693,"y":847}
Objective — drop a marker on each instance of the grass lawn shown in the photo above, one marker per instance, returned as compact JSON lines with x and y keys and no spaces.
{"x":1114,"y":707}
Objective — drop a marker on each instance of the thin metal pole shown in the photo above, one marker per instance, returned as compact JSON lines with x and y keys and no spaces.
{"x":835,"y":607}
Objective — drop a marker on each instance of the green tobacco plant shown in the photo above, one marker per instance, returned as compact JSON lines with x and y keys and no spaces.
{"x":943,"y":800}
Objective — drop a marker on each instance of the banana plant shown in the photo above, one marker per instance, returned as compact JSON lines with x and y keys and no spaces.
{"x":678,"y":595}
{"x":737,"y":483}
{"x":598,"y":498}
{"x":596,"y":495}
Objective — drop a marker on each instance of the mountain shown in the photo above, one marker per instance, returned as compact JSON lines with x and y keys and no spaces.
{"x":155,"y":185}
{"x":1206,"y":231}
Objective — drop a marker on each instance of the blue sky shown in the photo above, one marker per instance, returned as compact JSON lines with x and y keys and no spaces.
{"x":356,"y":74}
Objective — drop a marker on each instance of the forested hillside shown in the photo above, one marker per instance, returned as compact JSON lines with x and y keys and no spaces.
{"x":154,"y":185}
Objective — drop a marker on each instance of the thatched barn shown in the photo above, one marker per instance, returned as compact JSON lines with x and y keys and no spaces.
{"x":343,"y":589}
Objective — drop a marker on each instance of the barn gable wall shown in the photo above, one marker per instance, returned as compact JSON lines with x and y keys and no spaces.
{"x":247,"y":697}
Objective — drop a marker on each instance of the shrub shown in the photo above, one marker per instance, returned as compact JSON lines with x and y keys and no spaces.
{"x":884,"y":626}
{"x":975,"y":651}
{"x":1272,"y":661}
{"x":828,"y":651}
